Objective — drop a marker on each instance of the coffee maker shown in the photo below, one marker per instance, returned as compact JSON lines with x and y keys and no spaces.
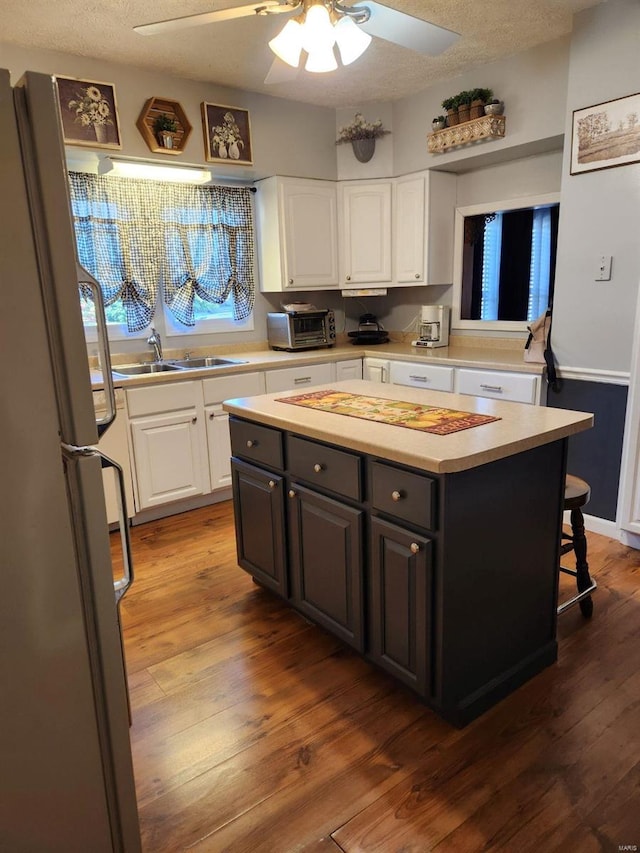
{"x":433,"y":330}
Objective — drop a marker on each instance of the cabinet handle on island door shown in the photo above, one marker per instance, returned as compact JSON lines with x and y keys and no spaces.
{"x":317,"y":467}
{"x":414,"y":547}
{"x":251,"y":443}
{"x":272,"y":484}
{"x":396,"y":495}
{"x":291,"y":493}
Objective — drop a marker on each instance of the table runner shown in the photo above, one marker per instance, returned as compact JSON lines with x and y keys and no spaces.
{"x":432,"y":419}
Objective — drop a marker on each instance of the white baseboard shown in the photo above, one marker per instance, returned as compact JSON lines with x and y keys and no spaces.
{"x":176,"y":507}
{"x":597,"y":525}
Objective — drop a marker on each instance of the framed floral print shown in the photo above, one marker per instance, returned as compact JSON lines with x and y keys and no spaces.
{"x":227,"y":135}
{"x":89,"y":113}
{"x":606,"y":135}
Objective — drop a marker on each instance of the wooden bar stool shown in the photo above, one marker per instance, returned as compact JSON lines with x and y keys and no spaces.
{"x":576,"y":494}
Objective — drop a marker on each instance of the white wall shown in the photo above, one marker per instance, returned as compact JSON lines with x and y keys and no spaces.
{"x":599,"y":211}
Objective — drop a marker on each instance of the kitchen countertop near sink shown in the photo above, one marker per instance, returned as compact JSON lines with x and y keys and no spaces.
{"x":491,"y":357}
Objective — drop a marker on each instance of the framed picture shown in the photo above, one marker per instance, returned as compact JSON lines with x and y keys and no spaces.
{"x":89,"y":113}
{"x":606,"y":135}
{"x":227,"y":135}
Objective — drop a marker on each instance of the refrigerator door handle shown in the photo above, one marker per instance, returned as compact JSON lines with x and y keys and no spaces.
{"x":121,"y":585}
{"x":85,"y":277}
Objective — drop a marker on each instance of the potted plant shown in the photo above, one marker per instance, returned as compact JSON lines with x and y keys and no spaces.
{"x":464,"y":106}
{"x":438,"y":123}
{"x":450,"y":105}
{"x":494,"y":107}
{"x":165,"y":128}
{"x":479,"y":98}
{"x":362,"y":135}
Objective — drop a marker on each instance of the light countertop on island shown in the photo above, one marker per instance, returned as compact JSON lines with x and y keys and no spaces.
{"x":520,"y":426}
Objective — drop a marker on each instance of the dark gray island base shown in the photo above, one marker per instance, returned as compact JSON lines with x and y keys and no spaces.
{"x":446,"y":580}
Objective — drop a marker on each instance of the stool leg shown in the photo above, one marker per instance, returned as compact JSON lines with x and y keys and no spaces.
{"x":583,"y":579}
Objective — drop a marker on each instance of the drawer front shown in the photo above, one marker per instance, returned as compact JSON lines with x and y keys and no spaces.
{"x":257,"y":443}
{"x":227,"y":387}
{"x":403,"y":494}
{"x":422,"y":375}
{"x":519,"y":387}
{"x":292,"y":378}
{"x":324,"y":466}
{"x":165,"y":397}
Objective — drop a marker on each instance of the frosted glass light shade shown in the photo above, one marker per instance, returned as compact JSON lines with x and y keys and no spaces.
{"x":351,"y":40}
{"x":317,"y":31}
{"x":321,"y":60}
{"x":288,"y":43}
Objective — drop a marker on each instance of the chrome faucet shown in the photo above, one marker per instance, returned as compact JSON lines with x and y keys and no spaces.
{"x":154,"y":341}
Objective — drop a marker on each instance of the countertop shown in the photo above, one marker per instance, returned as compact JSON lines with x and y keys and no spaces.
{"x":521,"y":426}
{"x":491,"y":357}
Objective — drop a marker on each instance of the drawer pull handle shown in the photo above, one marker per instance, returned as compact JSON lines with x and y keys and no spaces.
{"x":194,"y":419}
{"x":272,"y":484}
{"x":251,"y":442}
{"x":291,"y":493}
{"x":301,"y":379}
{"x":496,"y":388}
{"x":396,"y":495}
{"x":419,"y":378}
{"x":414,"y":547}
{"x":318,"y":467}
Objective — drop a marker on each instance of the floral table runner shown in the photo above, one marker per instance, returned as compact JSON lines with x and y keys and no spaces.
{"x":431,"y":419}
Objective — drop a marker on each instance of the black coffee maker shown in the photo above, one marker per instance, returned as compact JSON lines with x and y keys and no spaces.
{"x":369,"y":331}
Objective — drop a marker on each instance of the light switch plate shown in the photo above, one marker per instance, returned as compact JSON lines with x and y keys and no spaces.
{"x":603,"y":268}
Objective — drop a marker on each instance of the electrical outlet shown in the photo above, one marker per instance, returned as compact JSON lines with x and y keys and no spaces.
{"x":603,"y":268}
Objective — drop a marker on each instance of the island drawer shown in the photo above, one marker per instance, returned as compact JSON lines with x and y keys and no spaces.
{"x":403,"y":494}
{"x":257,"y":443}
{"x":336,"y":470}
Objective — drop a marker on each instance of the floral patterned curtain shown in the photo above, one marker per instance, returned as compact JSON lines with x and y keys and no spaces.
{"x":130,"y":231}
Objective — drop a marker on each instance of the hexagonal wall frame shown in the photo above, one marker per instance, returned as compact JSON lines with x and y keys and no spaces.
{"x":151,"y":110}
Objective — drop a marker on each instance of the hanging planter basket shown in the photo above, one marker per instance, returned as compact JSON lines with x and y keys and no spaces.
{"x":363,"y":149}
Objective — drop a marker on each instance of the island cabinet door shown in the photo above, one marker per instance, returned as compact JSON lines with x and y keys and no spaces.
{"x":400,"y":603}
{"x":258,"y":503}
{"x":326,"y":562}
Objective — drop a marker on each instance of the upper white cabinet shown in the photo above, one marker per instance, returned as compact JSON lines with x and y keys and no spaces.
{"x":365,"y":232}
{"x":423,"y":224}
{"x":297,"y":234}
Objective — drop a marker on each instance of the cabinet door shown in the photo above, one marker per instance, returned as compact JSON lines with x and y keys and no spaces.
{"x":400,"y":603}
{"x":169,"y":458}
{"x":376,"y":369}
{"x":258,"y":504}
{"x":326,"y":562}
{"x":409,"y":231}
{"x":309,"y":220}
{"x":366,"y":231}
{"x":349,"y":369}
{"x":219,"y":445}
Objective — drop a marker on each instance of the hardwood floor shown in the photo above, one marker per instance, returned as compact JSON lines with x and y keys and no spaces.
{"x":256,"y":731}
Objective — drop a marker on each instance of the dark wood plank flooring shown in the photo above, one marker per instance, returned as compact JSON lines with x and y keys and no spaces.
{"x":256,"y":731}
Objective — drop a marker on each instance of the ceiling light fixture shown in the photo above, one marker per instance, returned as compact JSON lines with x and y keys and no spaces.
{"x":322,"y":24}
{"x":153,"y":172}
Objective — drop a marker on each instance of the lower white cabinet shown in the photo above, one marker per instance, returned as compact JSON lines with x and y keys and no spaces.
{"x":349,"y":369}
{"x":376,"y":369}
{"x":422,"y":375}
{"x":500,"y":385}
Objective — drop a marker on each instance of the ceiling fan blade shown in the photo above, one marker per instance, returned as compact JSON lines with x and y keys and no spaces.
{"x":403,"y":29}
{"x":280,"y":72}
{"x":265,"y":7}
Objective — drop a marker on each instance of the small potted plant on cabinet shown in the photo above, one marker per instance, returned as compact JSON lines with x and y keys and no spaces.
{"x":165,"y":128}
{"x":494,"y":107}
{"x":450,"y":105}
{"x":438,"y":123}
{"x":479,"y":97}
{"x":464,"y":106}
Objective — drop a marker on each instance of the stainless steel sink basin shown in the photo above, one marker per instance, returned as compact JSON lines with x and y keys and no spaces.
{"x":140,"y":369}
{"x":208,"y":361}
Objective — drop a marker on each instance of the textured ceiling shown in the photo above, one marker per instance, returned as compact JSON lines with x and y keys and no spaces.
{"x":235,"y":53}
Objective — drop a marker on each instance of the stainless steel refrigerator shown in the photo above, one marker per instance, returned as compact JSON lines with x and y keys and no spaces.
{"x":66,"y":777}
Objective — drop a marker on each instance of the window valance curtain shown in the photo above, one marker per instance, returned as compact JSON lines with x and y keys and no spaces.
{"x":200,"y":239}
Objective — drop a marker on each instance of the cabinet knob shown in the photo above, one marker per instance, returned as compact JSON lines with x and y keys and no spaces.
{"x":396,"y":495}
{"x":272,"y":484}
{"x":211,"y":416}
{"x":291,"y":493}
{"x":417,"y":275}
{"x":348,"y":278}
{"x":194,"y":419}
{"x":414,"y":547}
{"x":251,"y":443}
{"x":317,"y":467}
{"x":290,"y":281}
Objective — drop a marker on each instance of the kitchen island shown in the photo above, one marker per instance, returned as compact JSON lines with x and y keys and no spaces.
{"x":434,"y":555}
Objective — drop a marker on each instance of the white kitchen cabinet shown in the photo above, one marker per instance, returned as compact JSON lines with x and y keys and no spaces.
{"x":298,"y":378}
{"x":114,"y":443}
{"x":422,"y":375}
{"x":349,"y":369}
{"x":376,"y":369}
{"x":423,"y":228}
{"x":365,"y":233}
{"x":500,"y":385}
{"x":297,"y":234}
{"x":215,"y":390}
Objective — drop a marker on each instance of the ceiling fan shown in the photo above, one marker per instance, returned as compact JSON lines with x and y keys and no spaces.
{"x":318,"y":25}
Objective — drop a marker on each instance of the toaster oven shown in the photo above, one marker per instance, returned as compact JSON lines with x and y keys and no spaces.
{"x":295,"y":330}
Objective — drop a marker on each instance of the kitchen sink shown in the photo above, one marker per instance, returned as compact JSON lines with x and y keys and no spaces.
{"x":140,"y":369}
{"x":208,"y":361}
